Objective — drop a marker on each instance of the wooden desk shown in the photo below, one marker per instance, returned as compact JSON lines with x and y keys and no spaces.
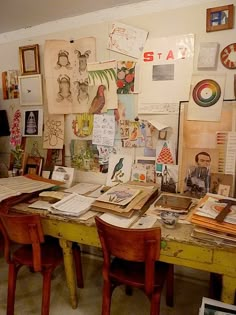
{"x":177,"y":248}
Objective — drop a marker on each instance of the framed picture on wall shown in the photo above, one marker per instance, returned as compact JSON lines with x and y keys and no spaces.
{"x":220,"y":18}
{"x":29,"y":59}
{"x":30,"y":88}
{"x":32,"y":122}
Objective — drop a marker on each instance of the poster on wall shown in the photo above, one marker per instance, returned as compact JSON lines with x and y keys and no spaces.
{"x":206,"y":98}
{"x":53,"y":136}
{"x":166,"y":68}
{"x":127,"y":40}
{"x":67,"y":75}
{"x":32,"y":122}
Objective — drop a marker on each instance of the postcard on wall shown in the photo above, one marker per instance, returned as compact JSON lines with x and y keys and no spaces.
{"x":125,"y":77}
{"x":103,"y":130}
{"x":127,"y":40}
{"x":82,"y":125}
{"x":131,"y":134}
{"x":103,"y":75}
{"x":208,"y":54}
{"x":166,"y":67}
{"x":149,"y":164}
{"x":66,"y":73}
{"x":119,"y":195}
{"x":119,"y":169}
{"x":206,"y":98}
{"x":32,"y":122}
{"x":139,"y":173}
{"x":53,"y":136}
{"x":165,"y":152}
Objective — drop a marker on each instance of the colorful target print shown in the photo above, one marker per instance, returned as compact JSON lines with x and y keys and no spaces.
{"x":206,"y":93}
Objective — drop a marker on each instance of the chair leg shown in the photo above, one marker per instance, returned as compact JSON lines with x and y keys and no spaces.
{"x":12,"y":275}
{"x":170,"y":286}
{"x":47,"y":274}
{"x":155,"y":303}
{"x":78,"y":266}
{"x":106,"y":300}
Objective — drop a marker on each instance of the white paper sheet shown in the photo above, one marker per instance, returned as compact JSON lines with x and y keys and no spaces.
{"x":104,"y":130}
{"x":118,"y":220}
{"x":74,"y":205}
{"x":82,"y":188}
{"x":127,"y":40}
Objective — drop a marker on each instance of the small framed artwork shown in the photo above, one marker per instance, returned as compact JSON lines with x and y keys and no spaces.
{"x":220,"y":18}
{"x":32,"y":122}
{"x":30,"y":88}
{"x":34,"y":165}
{"x":29,"y":59}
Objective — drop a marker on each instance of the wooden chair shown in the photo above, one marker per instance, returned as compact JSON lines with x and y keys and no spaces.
{"x":135,"y":264}
{"x":34,"y":252}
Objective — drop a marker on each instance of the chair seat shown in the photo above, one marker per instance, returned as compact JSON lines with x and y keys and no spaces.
{"x":51,"y":255}
{"x":133,"y":273}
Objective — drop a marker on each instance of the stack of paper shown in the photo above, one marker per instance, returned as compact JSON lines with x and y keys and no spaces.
{"x":83,"y":188}
{"x":210,"y":306}
{"x":72,"y":205}
{"x":125,"y":199}
{"x":204,"y":219}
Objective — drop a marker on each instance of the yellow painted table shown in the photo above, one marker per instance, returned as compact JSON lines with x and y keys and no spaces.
{"x":178,"y":248}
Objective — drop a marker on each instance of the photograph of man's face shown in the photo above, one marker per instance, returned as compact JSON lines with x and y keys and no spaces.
{"x":203,"y":159}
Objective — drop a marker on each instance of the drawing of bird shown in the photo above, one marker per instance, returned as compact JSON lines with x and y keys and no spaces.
{"x":117,"y":167}
{"x":98,"y":101}
{"x":134,"y":134}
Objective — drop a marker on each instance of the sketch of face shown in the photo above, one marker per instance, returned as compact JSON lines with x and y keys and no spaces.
{"x":64,"y":88}
{"x":63,"y":60}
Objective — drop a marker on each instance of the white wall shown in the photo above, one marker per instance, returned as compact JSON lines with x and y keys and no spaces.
{"x":183,"y":20}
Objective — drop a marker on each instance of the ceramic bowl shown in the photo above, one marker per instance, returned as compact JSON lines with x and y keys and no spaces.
{"x":169,"y":219}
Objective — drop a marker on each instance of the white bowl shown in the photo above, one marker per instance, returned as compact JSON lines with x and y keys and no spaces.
{"x":169,"y":219}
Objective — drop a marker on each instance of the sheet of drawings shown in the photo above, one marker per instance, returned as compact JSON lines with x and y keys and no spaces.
{"x":127,"y":40}
{"x":53,"y":137}
{"x":104,"y":130}
{"x":66,"y":74}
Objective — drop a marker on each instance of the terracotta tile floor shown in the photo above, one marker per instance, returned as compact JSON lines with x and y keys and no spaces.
{"x":188,"y":293}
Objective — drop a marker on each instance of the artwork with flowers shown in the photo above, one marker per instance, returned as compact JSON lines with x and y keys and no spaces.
{"x":125,"y":77}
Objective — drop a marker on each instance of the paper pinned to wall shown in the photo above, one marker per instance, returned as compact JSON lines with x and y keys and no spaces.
{"x":206,"y":98}
{"x":166,"y":68}
{"x":158,"y":108}
{"x":105,"y":74}
{"x":103,"y":130}
{"x":119,"y":169}
{"x":53,"y":136}
{"x":127,"y":40}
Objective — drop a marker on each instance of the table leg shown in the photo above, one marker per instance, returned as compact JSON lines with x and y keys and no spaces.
{"x":228,"y":290}
{"x":70,"y":271}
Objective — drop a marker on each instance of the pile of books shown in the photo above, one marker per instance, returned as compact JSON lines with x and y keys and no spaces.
{"x":125,"y":199}
{"x":207,"y":227}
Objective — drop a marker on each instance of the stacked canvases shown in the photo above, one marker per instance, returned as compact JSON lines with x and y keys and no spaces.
{"x":215,"y":219}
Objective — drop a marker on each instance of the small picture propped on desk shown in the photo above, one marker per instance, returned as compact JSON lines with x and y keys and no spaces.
{"x":34,"y":165}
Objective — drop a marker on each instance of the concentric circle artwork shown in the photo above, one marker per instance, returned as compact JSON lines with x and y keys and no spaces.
{"x":206,"y":93}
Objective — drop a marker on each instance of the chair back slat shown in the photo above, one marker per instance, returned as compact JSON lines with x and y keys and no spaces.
{"x":24,"y":230}
{"x":129,"y":244}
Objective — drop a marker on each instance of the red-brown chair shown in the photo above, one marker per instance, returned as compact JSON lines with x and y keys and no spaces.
{"x":34,"y":252}
{"x":135,"y":263}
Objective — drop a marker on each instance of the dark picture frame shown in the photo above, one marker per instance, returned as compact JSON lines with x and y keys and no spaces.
{"x":34,"y":165}
{"x":29,"y":59}
{"x":220,"y":18}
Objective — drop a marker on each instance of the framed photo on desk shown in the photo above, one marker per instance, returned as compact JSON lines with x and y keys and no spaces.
{"x":34,"y":165}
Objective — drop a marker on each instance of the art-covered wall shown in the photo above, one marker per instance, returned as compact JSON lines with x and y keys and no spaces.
{"x":165,"y":24}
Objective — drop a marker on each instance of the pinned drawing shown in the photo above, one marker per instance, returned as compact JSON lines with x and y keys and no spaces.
{"x":82,"y":125}
{"x":53,"y":132}
{"x":32,"y":122}
{"x":125,"y":77}
{"x":127,"y":40}
{"x":131,"y":134}
{"x":104,"y":74}
{"x":119,"y":169}
{"x":206,"y":98}
{"x":66,"y":74}
{"x":165,"y":153}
